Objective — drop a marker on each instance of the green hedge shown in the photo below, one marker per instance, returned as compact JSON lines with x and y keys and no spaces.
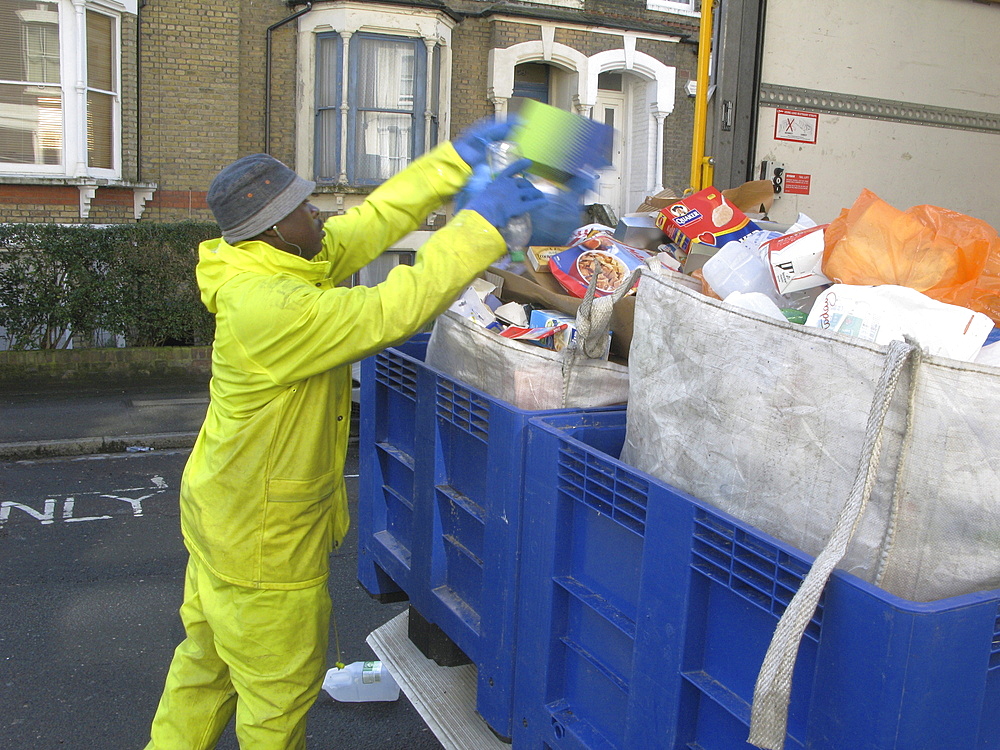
{"x":130,"y":280}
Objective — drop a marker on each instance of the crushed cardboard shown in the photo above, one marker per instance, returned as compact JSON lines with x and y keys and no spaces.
{"x":543,"y":290}
{"x":654,"y":203}
{"x":755,"y":197}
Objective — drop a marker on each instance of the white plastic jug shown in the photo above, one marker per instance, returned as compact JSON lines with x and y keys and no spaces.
{"x":361,"y":681}
{"x":756,"y":302}
{"x":739,"y":268}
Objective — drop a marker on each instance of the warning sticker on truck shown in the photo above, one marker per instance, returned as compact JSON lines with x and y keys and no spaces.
{"x":796,"y":183}
{"x":793,"y":125}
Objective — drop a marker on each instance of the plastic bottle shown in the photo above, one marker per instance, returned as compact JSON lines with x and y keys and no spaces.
{"x":517,"y":233}
{"x":361,"y":681}
{"x":738,"y":268}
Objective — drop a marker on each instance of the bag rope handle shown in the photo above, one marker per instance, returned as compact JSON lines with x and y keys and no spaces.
{"x":772,"y":692}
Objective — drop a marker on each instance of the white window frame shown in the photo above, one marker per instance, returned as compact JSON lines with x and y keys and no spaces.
{"x":658,"y":78}
{"x":680,"y":7}
{"x":571,"y":4}
{"x":347,"y":19}
{"x":73,"y":83}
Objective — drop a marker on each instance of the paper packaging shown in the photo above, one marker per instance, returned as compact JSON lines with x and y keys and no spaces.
{"x":796,"y":260}
{"x":513,"y":313}
{"x":538,"y":255}
{"x":601,"y":254}
{"x":702,"y":223}
{"x":562,"y":339}
{"x":654,"y":203}
{"x":888,"y":312}
{"x":752,"y":197}
{"x":756,"y":196}
{"x":541,"y":336}
{"x":554,"y":319}
{"x":471,"y":303}
{"x":543,"y":291}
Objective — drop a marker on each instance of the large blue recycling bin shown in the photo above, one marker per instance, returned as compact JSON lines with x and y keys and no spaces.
{"x":439,"y":509}
{"x":650,"y":613}
{"x":387,"y":448}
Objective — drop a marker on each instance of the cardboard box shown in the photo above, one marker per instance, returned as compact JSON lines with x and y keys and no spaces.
{"x":796,"y":260}
{"x":513,"y":313}
{"x":654,"y":203}
{"x":545,"y":280}
{"x":702,"y":223}
{"x":552,"y":318}
{"x":472,"y":303}
{"x":538,"y":255}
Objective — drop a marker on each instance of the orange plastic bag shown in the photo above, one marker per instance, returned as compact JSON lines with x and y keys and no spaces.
{"x":986,"y":296}
{"x":936,"y":251}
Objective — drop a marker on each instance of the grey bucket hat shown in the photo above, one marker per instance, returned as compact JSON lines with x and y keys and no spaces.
{"x":254,"y":193}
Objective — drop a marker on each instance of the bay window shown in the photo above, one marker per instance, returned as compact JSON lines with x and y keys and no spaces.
{"x":60,"y":106}
{"x":382,"y":119}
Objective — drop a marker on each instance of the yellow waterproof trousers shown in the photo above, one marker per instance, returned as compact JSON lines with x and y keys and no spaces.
{"x":260,"y":653}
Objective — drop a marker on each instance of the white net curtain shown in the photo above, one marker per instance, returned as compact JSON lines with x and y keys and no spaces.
{"x":31,"y":107}
{"x":385,"y":107}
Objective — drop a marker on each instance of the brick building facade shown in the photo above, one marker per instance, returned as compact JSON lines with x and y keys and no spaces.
{"x":198,"y":85}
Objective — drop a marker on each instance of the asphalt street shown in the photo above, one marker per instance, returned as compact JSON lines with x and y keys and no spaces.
{"x":92,"y":565}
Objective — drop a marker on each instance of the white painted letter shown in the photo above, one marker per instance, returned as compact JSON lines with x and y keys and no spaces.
{"x":44,"y":517}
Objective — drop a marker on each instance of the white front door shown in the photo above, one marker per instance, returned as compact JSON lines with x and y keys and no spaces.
{"x":610,"y":109}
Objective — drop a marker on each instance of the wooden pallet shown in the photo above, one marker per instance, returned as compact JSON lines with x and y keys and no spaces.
{"x":444,"y":696}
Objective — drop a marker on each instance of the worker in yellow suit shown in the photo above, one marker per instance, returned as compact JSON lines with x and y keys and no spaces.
{"x":262,"y":498}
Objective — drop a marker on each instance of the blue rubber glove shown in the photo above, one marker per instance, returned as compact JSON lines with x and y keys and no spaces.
{"x":507,"y":196}
{"x":471,"y":144}
{"x":563,"y":212}
{"x":480,"y":178}
{"x":582,"y":183}
{"x":553,"y":223}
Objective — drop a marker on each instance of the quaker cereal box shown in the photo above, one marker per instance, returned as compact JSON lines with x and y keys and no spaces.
{"x":599,"y":255}
{"x":702,"y":223}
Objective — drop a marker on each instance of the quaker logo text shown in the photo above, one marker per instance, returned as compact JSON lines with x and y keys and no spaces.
{"x":689,"y":218}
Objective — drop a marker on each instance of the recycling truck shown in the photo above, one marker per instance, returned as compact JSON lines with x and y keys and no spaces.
{"x":901,"y":97}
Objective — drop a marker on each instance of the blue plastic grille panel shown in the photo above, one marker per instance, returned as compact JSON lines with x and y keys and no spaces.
{"x":396,"y":373}
{"x":463,"y":409}
{"x":995,"y":648}
{"x":603,"y":487}
{"x":760,"y":573}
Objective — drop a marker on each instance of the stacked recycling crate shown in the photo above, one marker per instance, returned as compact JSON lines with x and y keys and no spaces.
{"x":439,"y":509}
{"x":650,"y":614}
{"x":387,"y":457}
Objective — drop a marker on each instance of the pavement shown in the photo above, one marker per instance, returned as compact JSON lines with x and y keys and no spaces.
{"x":66,"y":419}
{"x":99,"y":416}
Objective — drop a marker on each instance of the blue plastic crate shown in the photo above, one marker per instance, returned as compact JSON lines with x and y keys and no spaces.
{"x":650,"y":614}
{"x":439,"y":509}
{"x":387,"y":435}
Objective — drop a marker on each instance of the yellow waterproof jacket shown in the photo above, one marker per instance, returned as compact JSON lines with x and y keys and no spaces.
{"x":262,"y":497}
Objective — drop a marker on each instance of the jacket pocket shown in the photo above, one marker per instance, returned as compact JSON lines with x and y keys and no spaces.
{"x":297,"y":537}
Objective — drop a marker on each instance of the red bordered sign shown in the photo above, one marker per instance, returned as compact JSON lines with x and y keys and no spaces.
{"x":796,"y":183}
{"x":793,"y":125}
